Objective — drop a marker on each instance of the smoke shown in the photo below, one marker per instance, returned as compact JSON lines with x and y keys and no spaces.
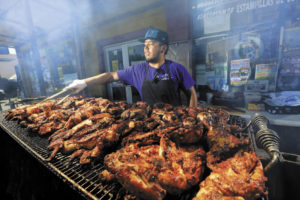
{"x":42,"y":18}
{"x":40,"y":24}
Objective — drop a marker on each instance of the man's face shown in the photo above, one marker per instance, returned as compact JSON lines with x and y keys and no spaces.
{"x":152,"y":50}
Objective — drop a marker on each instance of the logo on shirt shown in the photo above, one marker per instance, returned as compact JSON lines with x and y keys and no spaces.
{"x":164,"y":77}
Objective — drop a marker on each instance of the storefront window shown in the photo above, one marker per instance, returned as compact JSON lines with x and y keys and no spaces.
{"x":120,"y":56}
{"x":246,"y":47}
{"x":115,"y":62}
{"x":136,"y":54}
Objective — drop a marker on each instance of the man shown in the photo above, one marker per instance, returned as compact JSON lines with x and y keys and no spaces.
{"x":157,"y":80}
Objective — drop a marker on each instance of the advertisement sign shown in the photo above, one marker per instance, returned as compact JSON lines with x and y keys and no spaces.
{"x":266,"y":72}
{"x":227,"y":14}
{"x":115,"y":65}
{"x":239,"y":72}
{"x":289,"y":73}
{"x":218,"y":80}
{"x":201,"y":75}
{"x":218,"y":83}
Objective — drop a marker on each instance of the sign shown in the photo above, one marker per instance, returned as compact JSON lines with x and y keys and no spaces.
{"x":289,"y":73}
{"x":213,"y":8}
{"x":221,"y":69}
{"x":201,"y":75}
{"x":265,"y":71}
{"x":225,"y":13}
{"x":239,"y":72}
{"x":115,"y":65}
{"x":217,"y":79}
{"x":218,"y":83}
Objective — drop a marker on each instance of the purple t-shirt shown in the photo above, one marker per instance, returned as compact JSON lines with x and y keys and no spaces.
{"x":134,"y":75}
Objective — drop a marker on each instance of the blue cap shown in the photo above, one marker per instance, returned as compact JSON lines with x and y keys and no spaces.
{"x":156,"y":34}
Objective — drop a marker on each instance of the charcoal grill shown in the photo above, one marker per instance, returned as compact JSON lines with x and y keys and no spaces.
{"x":82,"y":179}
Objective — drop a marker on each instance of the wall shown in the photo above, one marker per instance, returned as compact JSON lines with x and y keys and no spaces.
{"x":178,"y":19}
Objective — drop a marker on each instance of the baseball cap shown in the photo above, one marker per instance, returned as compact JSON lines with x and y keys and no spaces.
{"x":156,"y":34}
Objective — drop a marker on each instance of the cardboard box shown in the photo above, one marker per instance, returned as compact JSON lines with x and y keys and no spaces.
{"x":256,"y":107}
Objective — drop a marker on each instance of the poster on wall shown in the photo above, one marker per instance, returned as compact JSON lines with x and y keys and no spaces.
{"x":115,"y":65}
{"x":292,"y":39}
{"x":218,"y":83}
{"x":217,"y":79}
{"x":200,"y":75}
{"x":239,"y":72}
{"x":289,"y":73}
{"x":266,"y":72}
{"x":221,"y":69}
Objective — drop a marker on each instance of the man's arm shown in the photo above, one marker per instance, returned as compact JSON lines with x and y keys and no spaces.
{"x":102,"y":78}
{"x":79,"y":85}
{"x":193,"y":98}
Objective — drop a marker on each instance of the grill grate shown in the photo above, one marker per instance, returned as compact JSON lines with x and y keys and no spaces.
{"x":237,"y":120}
{"x":83,"y":179}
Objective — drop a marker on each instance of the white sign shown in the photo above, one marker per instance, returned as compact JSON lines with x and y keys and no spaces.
{"x":245,"y":6}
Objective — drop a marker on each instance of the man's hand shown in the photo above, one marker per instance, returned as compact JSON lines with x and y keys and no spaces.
{"x":77,"y":85}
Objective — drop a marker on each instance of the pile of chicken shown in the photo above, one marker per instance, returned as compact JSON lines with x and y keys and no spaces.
{"x":152,"y":151}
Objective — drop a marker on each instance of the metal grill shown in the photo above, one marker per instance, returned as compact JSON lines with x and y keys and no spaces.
{"x":237,"y":120}
{"x":83,"y":179}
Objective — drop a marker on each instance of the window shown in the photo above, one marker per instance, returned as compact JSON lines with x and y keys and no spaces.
{"x":246,"y":46}
{"x":120,"y":56}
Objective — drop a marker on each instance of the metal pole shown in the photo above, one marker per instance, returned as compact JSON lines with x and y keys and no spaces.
{"x":77,"y":41}
{"x":280,"y":49}
{"x":75,"y":26}
{"x":35,"y":51}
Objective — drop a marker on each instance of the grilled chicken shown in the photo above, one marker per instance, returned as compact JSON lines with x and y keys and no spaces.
{"x":222,"y":145}
{"x":23,"y":112}
{"x":149,"y":172}
{"x":151,"y":150}
{"x":105,"y":175}
{"x":212,"y":116}
{"x":239,"y":177}
{"x":134,"y":113}
{"x":89,"y":125}
{"x":97,"y":141}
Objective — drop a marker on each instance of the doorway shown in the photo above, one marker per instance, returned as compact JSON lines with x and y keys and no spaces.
{"x":118,"y":57}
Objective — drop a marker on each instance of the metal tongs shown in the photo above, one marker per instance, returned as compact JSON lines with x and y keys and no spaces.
{"x":58,"y":94}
